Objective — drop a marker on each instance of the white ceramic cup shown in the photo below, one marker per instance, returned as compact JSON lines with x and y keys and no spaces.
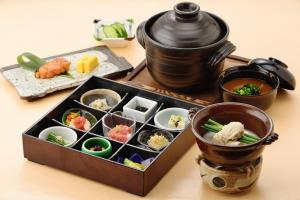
{"x":68,"y":134}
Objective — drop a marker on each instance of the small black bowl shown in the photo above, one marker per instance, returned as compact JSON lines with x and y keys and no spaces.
{"x":262,"y":101}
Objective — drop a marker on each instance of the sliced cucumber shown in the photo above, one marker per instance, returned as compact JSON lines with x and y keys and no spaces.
{"x":118,"y":29}
{"x":121,"y":29}
{"x":110,"y":32}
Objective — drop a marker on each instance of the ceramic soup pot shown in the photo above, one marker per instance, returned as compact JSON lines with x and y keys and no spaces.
{"x":271,"y":71}
{"x":262,"y":101}
{"x":185,"y":46}
{"x":253,"y":118}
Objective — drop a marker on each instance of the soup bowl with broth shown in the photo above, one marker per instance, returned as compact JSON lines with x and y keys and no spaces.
{"x":249,"y":84}
{"x":254,"y":120}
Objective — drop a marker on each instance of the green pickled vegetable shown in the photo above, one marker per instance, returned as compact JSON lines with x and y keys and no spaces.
{"x":248,"y":89}
{"x":111,"y":32}
{"x":115,"y":30}
{"x":120,"y":28}
{"x":56,"y":139}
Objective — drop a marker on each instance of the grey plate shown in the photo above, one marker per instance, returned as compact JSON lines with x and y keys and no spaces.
{"x":29,"y":87}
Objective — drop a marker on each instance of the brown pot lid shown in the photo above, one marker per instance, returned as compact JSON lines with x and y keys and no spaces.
{"x":186,"y":27}
{"x":275,"y":66}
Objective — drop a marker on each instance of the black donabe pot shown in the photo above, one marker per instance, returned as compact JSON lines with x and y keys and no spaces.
{"x":182,"y":63}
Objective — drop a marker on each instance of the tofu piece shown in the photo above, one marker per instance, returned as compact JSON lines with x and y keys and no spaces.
{"x":230,"y":132}
{"x":87,"y":64}
{"x":176,"y":121}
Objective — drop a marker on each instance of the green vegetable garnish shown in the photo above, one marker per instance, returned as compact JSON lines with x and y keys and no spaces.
{"x":34,"y":62}
{"x":56,"y":139}
{"x":67,"y":74}
{"x":215,"y":127}
{"x":248,"y":89}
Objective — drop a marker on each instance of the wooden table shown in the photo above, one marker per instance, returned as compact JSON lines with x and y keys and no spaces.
{"x":258,"y":29}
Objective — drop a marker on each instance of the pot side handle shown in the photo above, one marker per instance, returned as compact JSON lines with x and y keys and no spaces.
{"x":139,"y":34}
{"x":192,"y":113}
{"x":271,"y":138}
{"x":222,"y":53}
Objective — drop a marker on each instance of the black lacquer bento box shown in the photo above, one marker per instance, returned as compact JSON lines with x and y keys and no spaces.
{"x":108,"y":170}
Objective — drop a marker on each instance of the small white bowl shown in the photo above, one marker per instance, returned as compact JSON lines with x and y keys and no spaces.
{"x":115,"y":42}
{"x":161,"y":118}
{"x":112,"y":98}
{"x":129,"y":109}
{"x":68,"y":134}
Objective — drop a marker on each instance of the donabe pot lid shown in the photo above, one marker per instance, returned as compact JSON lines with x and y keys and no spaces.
{"x":275,"y":66}
{"x":186,"y":26}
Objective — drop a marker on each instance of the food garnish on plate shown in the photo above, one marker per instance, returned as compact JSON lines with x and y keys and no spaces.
{"x":135,"y":161}
{"x":248,"y":86}
{"x":248,"y":89}
{"x":141,"y":108}
{"x":100,"y":99}
{"x":74,"y":119}
{"x":176,"y":121}
{"x":96,"y":148}
{"x":120,"y":133}
{"x":118,"y":29}
{"x":87,"y":64}
{"x":114,"y":33}
{"x":57,"y":139}
{"x":231,"y":134}
{"x":100,"y":104}
{"x":155,"y":139}
{"x":158,"y":141}
{"x":42,"y":68}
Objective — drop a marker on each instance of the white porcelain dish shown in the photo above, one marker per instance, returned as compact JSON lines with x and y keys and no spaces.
{"x":68,"y":134}
{"x":161,"y":118}
{"x":114,"y":42}
{"x":129,"y":110}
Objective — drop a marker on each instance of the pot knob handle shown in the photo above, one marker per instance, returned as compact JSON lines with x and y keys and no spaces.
{"x":222,"y":53}
{"x":278,"y":62}
{"x":271,"y":138}
{"x":186,"y":10}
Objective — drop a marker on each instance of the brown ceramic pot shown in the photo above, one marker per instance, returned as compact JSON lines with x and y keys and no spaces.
{"x":253,"y":119}
{"x":185,"y":46}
